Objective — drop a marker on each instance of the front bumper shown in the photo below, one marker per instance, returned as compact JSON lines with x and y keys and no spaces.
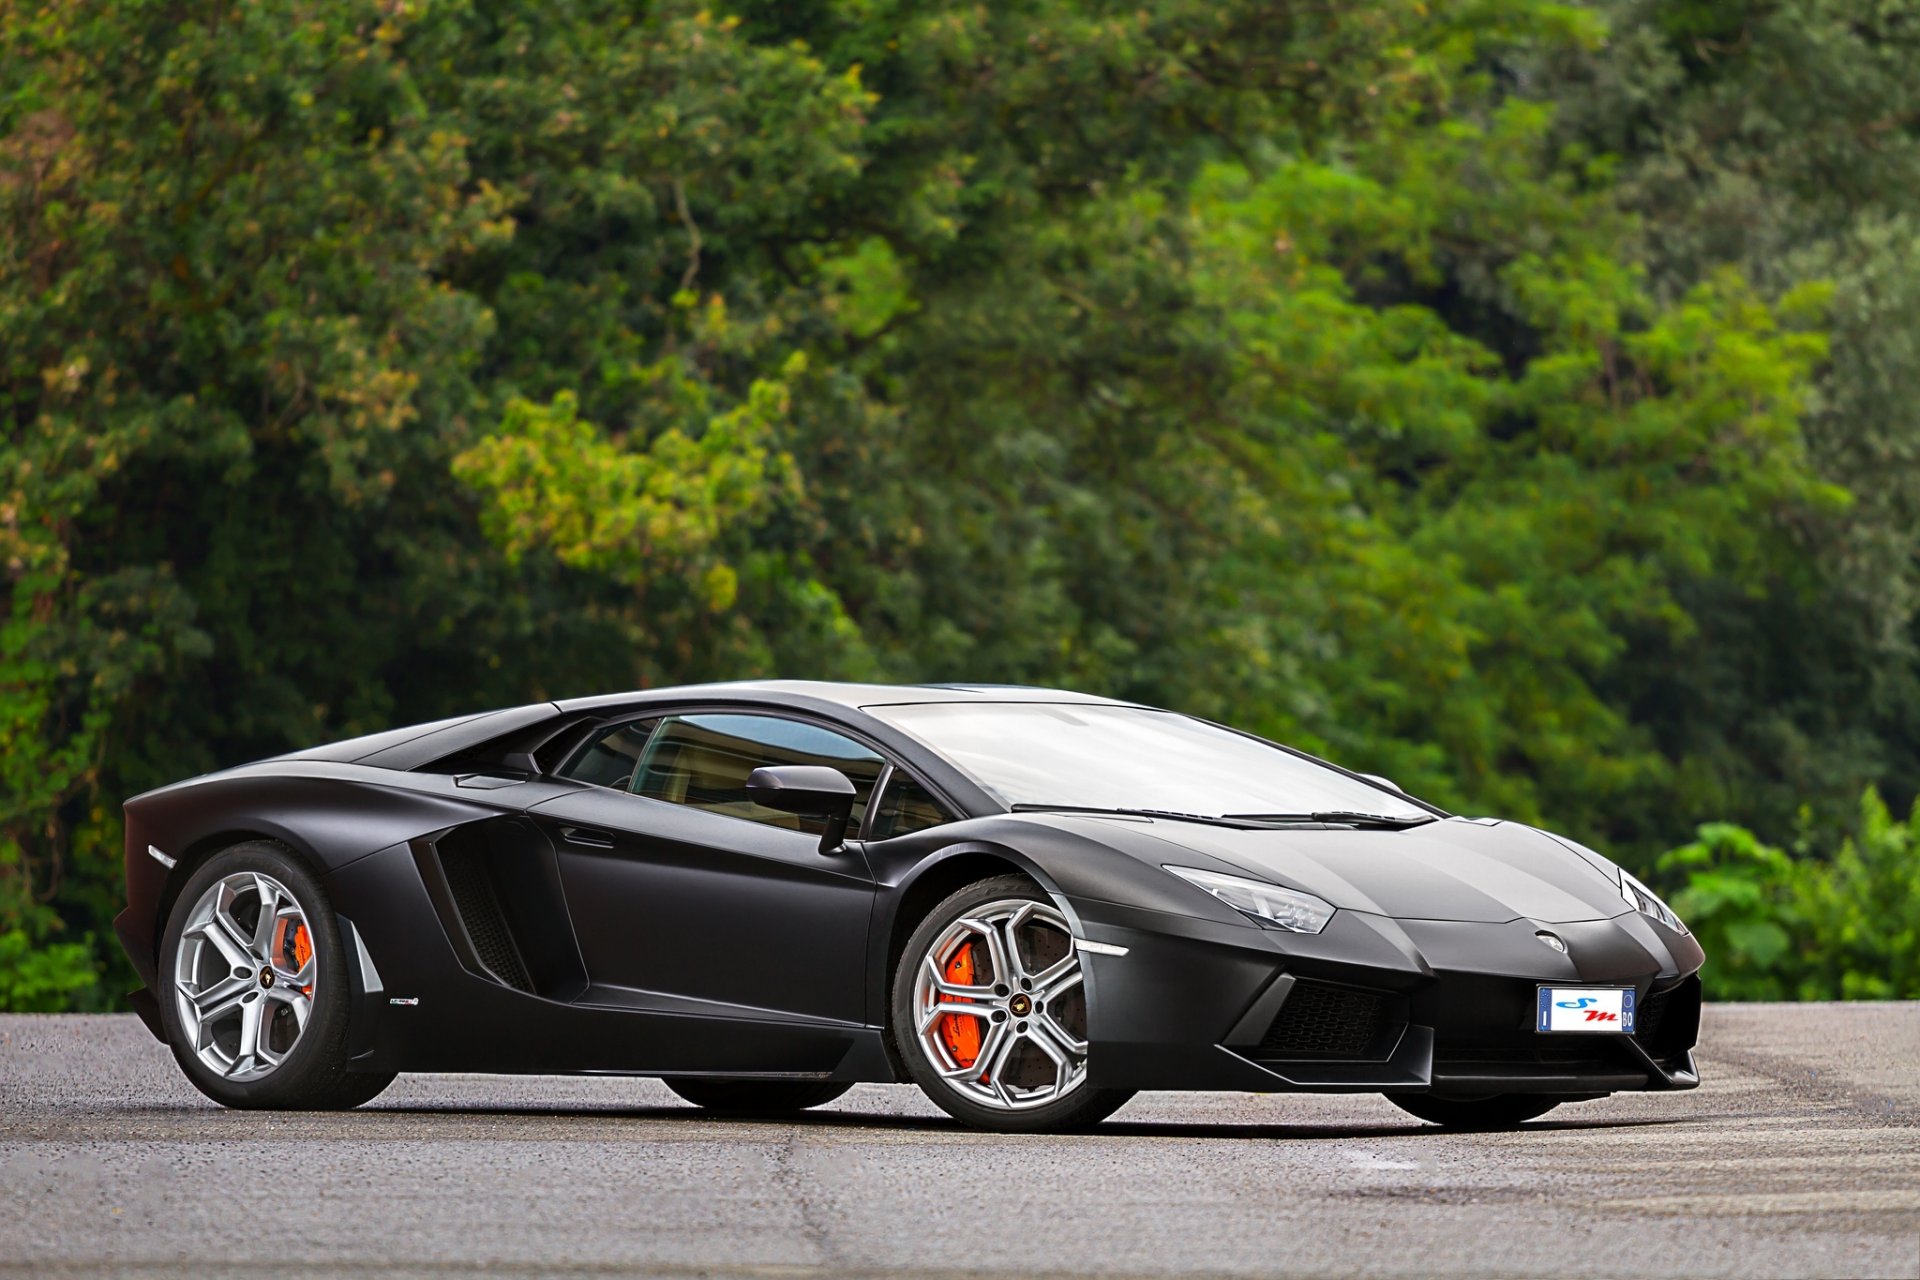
{"x":1373,"y":1004}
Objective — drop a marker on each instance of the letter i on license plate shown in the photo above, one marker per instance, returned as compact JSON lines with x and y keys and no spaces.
{"x":1586,"y":1009}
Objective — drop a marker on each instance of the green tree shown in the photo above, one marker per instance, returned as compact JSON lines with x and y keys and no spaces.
{"x":256,"y":300}
{"x":374,"y":362}
{"x":1780,"y":140}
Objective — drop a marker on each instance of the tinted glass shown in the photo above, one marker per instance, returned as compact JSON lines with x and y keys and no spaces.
{"x":610,"y":757}
{"x":703,"y":761}
{"x":905,"y":807}
{"x":1129,"y":758}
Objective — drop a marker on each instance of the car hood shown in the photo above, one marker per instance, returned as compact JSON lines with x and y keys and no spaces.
{"x":1453,"y":869}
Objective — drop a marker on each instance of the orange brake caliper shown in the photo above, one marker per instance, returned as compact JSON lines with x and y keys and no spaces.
{"x":302,"y":947}
{"x":960,"y":1032}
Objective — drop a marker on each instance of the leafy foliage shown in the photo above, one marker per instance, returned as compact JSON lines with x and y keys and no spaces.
{"x":37,"y":976}
{"x":1813,"y":925}
{"x":1305,"y":367}
{"x":1779,"y":141}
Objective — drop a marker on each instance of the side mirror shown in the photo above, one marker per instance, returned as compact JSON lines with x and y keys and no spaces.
{"x":812,"y":790}
{"x":1388,"y":783}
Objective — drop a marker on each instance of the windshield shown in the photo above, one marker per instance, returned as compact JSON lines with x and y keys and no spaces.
{"x":1111,"y":757}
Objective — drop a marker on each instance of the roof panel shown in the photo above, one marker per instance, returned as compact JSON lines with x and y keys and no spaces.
{"x":848,"y":694}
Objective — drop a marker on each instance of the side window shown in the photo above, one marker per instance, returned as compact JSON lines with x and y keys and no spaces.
{"x":905,"y":807}
{"x":612,"y":756}
{"x":703,"y":761}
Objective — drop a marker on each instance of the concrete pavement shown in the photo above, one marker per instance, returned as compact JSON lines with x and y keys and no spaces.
{"x":1799,"y":1156}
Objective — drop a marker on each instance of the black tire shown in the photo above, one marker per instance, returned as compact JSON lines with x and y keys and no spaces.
{"x":314,"y":1074}
{"x":1083,"y":1107}
{"x":1501,"y":1111}
{"x":754,"y":1097}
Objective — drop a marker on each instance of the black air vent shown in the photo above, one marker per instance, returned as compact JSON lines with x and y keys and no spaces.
{"x":1666,"y":1023}
{"x":478,"y":902}
{"x":495,"y":885}
{"x":1648,"y":1015}
{"x":1319,"y":1020}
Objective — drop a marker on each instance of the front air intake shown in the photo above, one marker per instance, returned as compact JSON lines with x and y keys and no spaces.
{"x":1667,"y":1023}
{"x":1321,"y":1020}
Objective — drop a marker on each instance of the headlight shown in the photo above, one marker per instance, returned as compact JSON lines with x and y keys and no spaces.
{"x":1268,"y":903}
{"x":1647,"y":902}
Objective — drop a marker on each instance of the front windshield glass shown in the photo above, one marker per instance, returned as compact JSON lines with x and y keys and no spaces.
{"x":1112,"y":757}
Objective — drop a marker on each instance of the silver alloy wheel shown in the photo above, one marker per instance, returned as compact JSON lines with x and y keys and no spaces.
{"x":1027,"y":1045}
{"x":244,"y":974}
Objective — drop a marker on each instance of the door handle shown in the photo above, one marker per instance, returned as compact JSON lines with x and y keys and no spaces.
{"x":587,"y":836}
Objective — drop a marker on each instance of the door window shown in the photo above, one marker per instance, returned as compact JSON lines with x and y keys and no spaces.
{"x":703,"y":761}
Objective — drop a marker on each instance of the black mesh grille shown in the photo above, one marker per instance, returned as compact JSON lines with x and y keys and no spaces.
{"x":1666,"y":1023}
{"x":1321,"y":1021}
{"x":1648,"y":1014}
{"x":479,"y":907}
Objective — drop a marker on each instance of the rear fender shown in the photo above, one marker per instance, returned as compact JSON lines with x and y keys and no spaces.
{"x":329,"y":815}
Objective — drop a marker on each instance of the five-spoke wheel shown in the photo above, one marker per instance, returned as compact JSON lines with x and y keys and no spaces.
{"x":999,"y":1004}
{"x":243,"y":975}
{"x":990,"y":1011}
{"x":258,"y":1002}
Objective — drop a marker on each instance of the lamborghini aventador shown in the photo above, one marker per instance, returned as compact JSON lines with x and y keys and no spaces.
{"x":1028,"y":902}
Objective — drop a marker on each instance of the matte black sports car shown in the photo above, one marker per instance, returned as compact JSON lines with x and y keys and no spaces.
{"x":1030,"y":903}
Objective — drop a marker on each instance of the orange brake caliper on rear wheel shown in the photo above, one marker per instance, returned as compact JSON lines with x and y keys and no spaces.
{"x":959,"y":1031}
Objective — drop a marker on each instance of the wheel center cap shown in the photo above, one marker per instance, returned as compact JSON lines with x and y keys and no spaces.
{"x":266,"y":976}
{"x":1021,"y":1005}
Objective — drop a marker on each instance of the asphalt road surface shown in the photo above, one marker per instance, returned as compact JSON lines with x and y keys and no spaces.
{"x":1799,"y":1156}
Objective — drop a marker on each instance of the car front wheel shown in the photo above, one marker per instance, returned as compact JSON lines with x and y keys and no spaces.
{"x":990,"y":1012}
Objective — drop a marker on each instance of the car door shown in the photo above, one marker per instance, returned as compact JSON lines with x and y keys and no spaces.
{"x":687,"y":896}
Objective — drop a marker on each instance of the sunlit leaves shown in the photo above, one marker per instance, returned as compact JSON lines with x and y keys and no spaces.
{"x":556,"y":483}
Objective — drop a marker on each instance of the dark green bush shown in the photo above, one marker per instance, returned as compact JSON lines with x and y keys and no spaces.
{"x":1836,"y":919}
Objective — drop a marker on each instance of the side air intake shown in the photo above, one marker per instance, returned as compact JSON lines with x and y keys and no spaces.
{"x":496,"y":888}
{"x":478,"y":903}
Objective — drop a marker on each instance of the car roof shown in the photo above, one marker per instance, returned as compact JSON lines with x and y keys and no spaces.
{"x":412,"y":746}
{"x":846,"y":694}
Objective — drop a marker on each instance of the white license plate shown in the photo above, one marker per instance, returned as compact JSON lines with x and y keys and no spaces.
{"x":1586,"y":1009}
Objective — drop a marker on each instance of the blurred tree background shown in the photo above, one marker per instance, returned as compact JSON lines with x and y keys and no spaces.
{"x":1509,"y":397}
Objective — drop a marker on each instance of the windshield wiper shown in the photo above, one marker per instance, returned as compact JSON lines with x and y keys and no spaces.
{"x":1342,"y":817}
{"x":1337,"y":817}
{"x":1218,"y":821}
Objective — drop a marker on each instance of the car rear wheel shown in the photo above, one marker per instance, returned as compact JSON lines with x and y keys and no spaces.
{"x":990,"y":1012}
{"x":754,"y":1096}
{"x":256,"y":996}
{"x":1497,"y":1111}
